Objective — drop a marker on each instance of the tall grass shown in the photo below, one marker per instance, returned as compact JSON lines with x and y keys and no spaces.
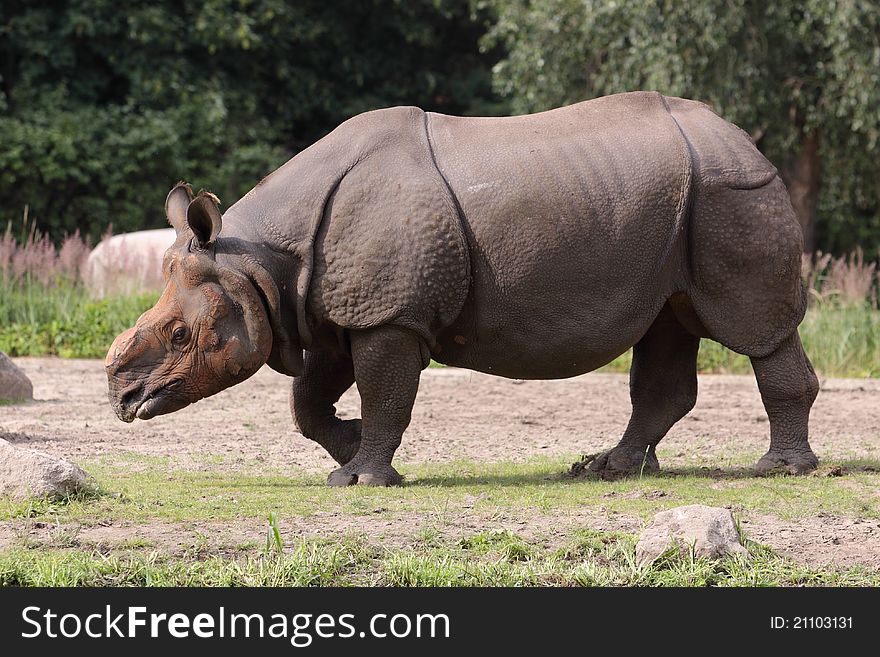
{"x":848,"y":280}
{"x":40,"y":283}
{"x":841,"y":341}
{"x":46,"y":308}
{"x":841,"y":330}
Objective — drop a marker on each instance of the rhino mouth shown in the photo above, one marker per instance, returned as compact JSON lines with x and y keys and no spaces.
{"x":158,"y":401}
{"x":147,"y":408}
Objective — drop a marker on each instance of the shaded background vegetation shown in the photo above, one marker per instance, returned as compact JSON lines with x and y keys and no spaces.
{"x":105,"y":104}
{"x":801,"y":76}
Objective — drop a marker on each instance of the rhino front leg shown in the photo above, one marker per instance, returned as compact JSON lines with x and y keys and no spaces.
{"x":387,"y":364}
{"x":313,"y":396}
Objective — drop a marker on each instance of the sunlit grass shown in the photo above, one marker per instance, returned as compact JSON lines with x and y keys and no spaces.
{"x":155,"y":490}
{"x":63,"y":320}
{"x":587,"y":559}
{"x":418,"y":537}
{"x":841,"y":341}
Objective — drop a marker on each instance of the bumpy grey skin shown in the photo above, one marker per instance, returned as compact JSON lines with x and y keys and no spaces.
{"x":531,"y":247}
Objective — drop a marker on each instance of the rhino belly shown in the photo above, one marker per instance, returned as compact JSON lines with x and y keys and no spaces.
{"x":548,"y":321}
{"x":573,"y":219}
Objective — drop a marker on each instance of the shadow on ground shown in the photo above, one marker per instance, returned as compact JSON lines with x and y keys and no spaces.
{"x":840,"y":469}
{"x":18,"y":438}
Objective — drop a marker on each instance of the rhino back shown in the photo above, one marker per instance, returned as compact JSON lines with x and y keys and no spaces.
{"x":575,"y":218}
{"x":722,"y":153}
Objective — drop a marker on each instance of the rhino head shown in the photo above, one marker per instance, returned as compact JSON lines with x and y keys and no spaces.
{"x":208,"y":331}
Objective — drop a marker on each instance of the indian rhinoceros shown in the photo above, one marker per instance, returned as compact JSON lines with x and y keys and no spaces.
{"x":531,"y":247}
{"x":127,"y":263}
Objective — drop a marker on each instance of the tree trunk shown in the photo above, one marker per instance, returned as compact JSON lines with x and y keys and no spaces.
{"x":802,"y":174}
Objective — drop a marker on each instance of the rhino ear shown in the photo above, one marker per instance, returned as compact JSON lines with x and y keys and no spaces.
{"x":203,"y":218}
{"x":176,"y":203}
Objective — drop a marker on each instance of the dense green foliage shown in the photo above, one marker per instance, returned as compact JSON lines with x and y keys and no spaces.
{"x":104,"y":105}
{"x":792,"y":73}
{"x":64,"y":321}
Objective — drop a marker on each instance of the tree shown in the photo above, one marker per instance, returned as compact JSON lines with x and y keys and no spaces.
{"x":801,"y":76}
{"x":104,"y":104}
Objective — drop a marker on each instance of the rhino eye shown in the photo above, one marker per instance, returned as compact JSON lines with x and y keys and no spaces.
{"x":179,"y":334}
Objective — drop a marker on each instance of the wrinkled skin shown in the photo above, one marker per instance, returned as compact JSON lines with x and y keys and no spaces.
{"x":531,"y":247}
{"x":195,"y":342}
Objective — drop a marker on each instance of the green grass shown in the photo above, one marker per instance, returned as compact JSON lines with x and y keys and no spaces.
{"x":597,"y":559}
{"x":145,"y":489}
{"x":587,"y":559}
{"x":419,"y":538}
{"x":309,"y":564}
{"x":63,"y":321}
{"x":841,"y":341}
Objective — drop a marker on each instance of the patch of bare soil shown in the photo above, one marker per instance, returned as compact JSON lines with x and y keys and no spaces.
{"x":822,"y":540}
{"x":391,"y":530}
{"x":458,"y":415}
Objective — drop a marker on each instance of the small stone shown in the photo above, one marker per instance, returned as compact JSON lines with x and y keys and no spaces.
{"x":14,"y":384}
{"x":710,"y":530}
{"x":26,"y":473}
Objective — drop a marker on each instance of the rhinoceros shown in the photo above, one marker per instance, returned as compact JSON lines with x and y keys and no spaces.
{"x":126,"y":263}
{"x":531,"y":247}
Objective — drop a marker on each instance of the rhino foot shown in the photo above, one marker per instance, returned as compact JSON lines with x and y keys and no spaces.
{"x":365,"y":475}
{"x":788,"y":461}
{"x":624,"y":461}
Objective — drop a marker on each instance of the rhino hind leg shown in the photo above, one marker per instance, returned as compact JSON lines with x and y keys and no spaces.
{"x":663,"y":389}
{"x":313,"y":395}
{"x":788,"y":386}
{"x":745,"y":257}
{"x":387,"y":364}
{"x":748,"y":293}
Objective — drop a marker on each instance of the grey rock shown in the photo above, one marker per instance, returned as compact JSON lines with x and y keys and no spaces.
{"x":26,"y":473}
{"x":710,"y":530}
{"x":14,"y":384}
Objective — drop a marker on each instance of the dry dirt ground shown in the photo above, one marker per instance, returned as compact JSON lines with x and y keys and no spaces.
{"x":462,"y":415}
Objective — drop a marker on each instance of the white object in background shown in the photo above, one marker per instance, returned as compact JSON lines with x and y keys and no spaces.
{"x":128,"y":263}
